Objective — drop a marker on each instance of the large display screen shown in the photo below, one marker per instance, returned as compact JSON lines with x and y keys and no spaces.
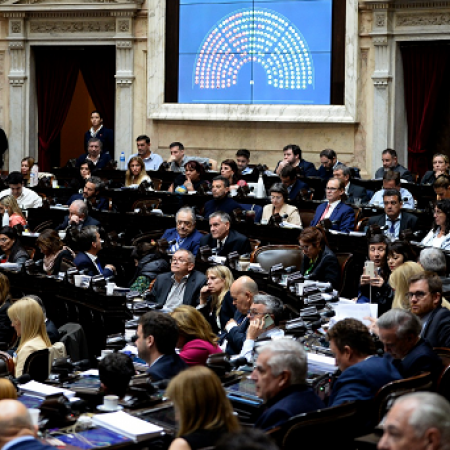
{"x":255,"y":52}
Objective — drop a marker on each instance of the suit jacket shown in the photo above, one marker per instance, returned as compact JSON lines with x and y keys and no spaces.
{"x":106,"y":136}
{"x":407,"y":221}
{"x":82,"y":261}
{"x":226,"y":204}
{"x":343,"y":215}
{"x":428,"y":178}
{"x":308,"y":168}
{"x":363,"y":380}
{"x":227,"y":312}
{"x":87,"y":222}
{"x":191,"y":243}
{"x":296,"y":188}
{"x":101,"y":163}
{"x":288,"y":403}
{"x":325,"y":174}
{"x":237,"y":335}
{"x":236,"y":242}
{"x":30,"y":443}
{"x":325,"y":269}
{"x":166,"y":367}
{"x":437,"y":328}
{"x":102,"y":203}
{"x":405,"y":174}
{"x":163,"y":284}
{"x":52,"y":331}
{"x":355,"y":191}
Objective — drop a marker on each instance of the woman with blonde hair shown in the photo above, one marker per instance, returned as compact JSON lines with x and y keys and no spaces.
{"x":28,"y":320}
{"x":136,"y":172}
{"x":6,"y":331}
{"x":9,"y":204}
{"x":25,"y":169}
{"x":196,"y":340}
{"x":7,"y":390}
{"x":204,"y":412}
{"x":399,"y":282}
{"x":216,"y":303}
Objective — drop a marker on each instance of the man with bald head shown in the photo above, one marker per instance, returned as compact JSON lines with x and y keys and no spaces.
{"x":17,"y":431}
{"x":78,"y":217}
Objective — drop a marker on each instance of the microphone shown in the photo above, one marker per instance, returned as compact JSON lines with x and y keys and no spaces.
{"x":241,"y":183}
{"x":25,"y":378}
{"x":238,"y":362}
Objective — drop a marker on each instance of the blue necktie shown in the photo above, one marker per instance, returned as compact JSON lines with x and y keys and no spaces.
{"x":100,"y":268}
{"x":392,"y":229}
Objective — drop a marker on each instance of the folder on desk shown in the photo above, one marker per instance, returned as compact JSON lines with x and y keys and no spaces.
{"x":44,"y":390}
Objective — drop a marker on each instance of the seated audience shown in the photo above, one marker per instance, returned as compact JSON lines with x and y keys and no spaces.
{"x":294,"y":185}
{"x":280,"y":377}
{"x":8,"y":204}
{"x":178,"y":159}
{"x":352,"y":190}
{"x":319,"y":262}
{"x":151,"y":160}
{"x":398,"y":253}
{"x":417,"y":421}
{"x":221,"y":200}
{"x":292,"y":156}
{"x":342,"y":216}
{"x":95,"y":154}
{"x":439,"y":235}
{"x":25,"y":198}
{"x":185,"y":236}
{"x":278,"y":198}
{"x":441,"y":164}
{"x":441,"y":187}
{"x":78,"y":217}
{"x":230,"y":171}
{"x":25,"y":169}
{"x":7,"y":390}
{"x":399,"y":331}
{"x":115,"y":371}
{"x":180,"y":286}
{"x":136,"y":172}
{"x":328,"y":162}
{"x":433,"y":259}
{"x":54,"y":251}
{"x":264,"y":315}
{"x":196,"y":341}
{"x":242,"y":160}
{"x":28,"y":320}
{"x":157,"y":336}
{"x":6,"y":330}
{"x":86,"y":172}
{"x":216,"y":303}
{"x":91,"y":194}
{"x":224,"y":239}
{"x":89,"y":245}
{"x":149,"y":264}
{"x":391,"y":180}
{"x":396,"y":219}
{"x":204,"y":411}
{"x":11,"y":248}
{"x":425,"y":300}
{"x":192,"y":180}
{"x":399,"y":282}
{"x":363,"y":372}
{"x":390,"y":163}
{"x":98,"y":131}
{"x":17,"y":431}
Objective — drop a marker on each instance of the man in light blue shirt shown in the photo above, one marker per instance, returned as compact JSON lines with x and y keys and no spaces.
{"x":242,"y":160}
{"x":391,"y":180}
{"x":151,"y":160}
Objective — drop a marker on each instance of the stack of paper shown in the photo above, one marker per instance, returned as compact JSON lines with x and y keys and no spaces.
{"x":44,"y":390}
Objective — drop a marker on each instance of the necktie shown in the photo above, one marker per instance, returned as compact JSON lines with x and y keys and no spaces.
{"x":219,"y":246}
{"x":176,"y":246}
{"x":325,"y":212}
{"x":392,"y":229}
{"x":100,"y":268}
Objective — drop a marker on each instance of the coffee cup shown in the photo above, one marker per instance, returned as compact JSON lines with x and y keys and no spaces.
{"x":34,"y":414}
{"x":77,"y":279}
{"x":110,"y":402}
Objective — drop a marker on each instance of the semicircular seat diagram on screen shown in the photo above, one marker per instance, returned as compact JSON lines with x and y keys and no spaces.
{"x":260,"y":56}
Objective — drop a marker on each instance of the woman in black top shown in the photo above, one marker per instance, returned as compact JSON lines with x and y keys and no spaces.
{"x":441,"y":164}
{"x":11,"y":247}
{"x":204,"y":412}
{"x":192,"y":179}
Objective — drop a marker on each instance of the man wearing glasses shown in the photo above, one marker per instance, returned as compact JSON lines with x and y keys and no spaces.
{"x":425,"y":297}
{"x":181,"y":285}
{"x":185,"y":235}
{"x":341,"y":215}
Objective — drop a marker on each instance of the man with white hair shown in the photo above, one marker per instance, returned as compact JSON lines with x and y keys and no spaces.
{"x":280,"y":378}
{"x":419,"y":421}
{"x":432,"y":259}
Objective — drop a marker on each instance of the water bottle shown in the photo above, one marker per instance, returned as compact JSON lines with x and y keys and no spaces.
{"x":5,"y":219}
{"x":260,"y":189}
{"x":34,"y":175}
{"x":122,"y":161}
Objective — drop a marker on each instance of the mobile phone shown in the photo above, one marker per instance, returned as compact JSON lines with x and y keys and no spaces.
{"x":370,"y":269}
{"x":268,"y":321}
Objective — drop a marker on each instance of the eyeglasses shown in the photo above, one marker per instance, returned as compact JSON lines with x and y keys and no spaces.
{"x":272,"y":197}
{"x":254,"y":313}
{"x":180,"y":260}
{"x":420,"y":295}
{"x":331,"y":189}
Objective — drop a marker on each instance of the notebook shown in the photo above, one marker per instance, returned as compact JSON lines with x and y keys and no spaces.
{"x":44,"y":390}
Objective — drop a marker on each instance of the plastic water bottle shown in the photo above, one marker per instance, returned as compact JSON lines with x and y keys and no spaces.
{"x":122,"y":161}
{"x":5,"y":219}
{"x":260,"y":189}
{"x":34,"y":175}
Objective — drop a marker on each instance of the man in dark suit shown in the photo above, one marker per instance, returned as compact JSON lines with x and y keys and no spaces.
{"x":223,"y":238}
{"x":221,"y":200}
{"x":363,"y":372}
{"x":181,"y":285}
{"x":184,"y":236}
{"x":399,"y":331}
{"x":280,"y":379}
{"x":394,"y":217}
{"x":89,"y":243}
{"x":94,"y":154}
{"x":390,"y":162}
{"x":328,"y":162}
{"x":294,"y":185}
{"x":292,"y":156}
{"x":16,"y":428}
{"x":157,"y":337}
{"x":91,"y":193}
{"x":78,"y":217}
{"x":341,"y":215}
{"x":352,"y":191}
{"x":425,"y":300}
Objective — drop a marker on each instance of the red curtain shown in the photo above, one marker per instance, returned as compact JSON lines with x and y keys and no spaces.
{"x":98,"y":72}
{"x":424,"y":68}
{"x":56,"y":75}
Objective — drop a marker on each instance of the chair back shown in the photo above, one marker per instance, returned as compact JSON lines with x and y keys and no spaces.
{"x":143,"y":204}
{"x":43,"y":226}
{"x":269,"y":255}
{"x":348,"y":286}
{"x":66,"y":264}
{"x":37,"y":365}
{"x":307,"y":217}
{"x":8,"y":362}
{"x":148,"y":236}
{"x":443,"y":383}
{"x":74,"y":339}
